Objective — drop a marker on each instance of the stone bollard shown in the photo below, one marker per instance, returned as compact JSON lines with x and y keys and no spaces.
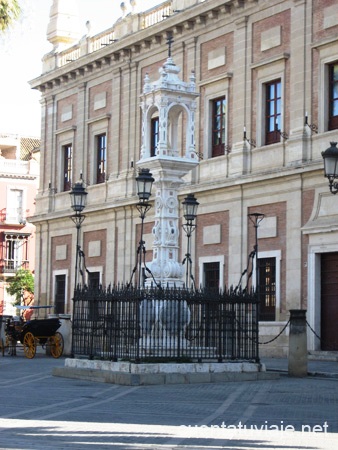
{"x":297,"y":344}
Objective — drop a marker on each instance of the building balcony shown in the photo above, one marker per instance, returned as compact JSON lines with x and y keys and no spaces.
{"x":13,"y":220}
{"x":9,"y":267}
{"x":15,"y":167}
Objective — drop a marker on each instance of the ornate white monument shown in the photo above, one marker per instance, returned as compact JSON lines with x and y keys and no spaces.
{"x":168,"y":150}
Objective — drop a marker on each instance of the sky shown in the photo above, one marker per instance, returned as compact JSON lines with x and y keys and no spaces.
{"x":21,"y":51}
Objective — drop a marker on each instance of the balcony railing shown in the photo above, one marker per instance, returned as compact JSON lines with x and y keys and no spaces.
{"x":155,"y":15}
{"x":10,"y":266}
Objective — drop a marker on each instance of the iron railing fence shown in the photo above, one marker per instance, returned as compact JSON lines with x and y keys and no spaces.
{"x":143,"y":325}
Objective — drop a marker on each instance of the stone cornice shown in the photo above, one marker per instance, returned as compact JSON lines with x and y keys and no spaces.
{"x":324,"y":42}
{"x":264,"y":62}
{"x":209,"y":81}
{"x":66,"y":130}
{"x":130,"y":46}
{"x":97,"y":119}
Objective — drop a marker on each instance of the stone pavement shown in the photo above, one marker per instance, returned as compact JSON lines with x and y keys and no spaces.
{"x":39,"y":411}
{"x":316,"y":367}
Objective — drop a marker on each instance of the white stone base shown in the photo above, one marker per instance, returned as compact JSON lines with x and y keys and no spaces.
{"x":131,"y":374}
{"x":156,"y":368}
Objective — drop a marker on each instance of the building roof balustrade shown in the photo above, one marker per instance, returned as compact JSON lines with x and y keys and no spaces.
{"x":129,"y":24}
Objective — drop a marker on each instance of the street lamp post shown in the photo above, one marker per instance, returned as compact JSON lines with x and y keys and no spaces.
{"x":144,"y":183}
{"x":330,"y":156}
{"x":256,"y":219}
{"x":190,"y":205}
{"x":78,"y":197}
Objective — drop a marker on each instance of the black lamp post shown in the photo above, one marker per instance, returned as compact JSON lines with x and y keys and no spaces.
{"x":256,"y":219}
{"x":144,"y":183}
{"x":330,"y":156}
{"x":78,"y":196}
{"x":190,"y":205}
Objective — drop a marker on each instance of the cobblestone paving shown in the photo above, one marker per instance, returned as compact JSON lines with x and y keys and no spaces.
{"x":39,"y":411}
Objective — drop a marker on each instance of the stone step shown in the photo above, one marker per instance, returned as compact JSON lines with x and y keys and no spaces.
{"x":322,"y":355}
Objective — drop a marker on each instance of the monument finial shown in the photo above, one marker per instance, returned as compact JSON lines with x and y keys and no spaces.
{"x":170,"y":41}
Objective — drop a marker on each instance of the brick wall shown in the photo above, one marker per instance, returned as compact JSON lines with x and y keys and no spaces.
{"x":99,"y":257}
{"x":102,"y":88}
{"x":65,"y":104}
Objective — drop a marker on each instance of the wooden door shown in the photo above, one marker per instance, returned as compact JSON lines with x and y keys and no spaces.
{"x":329,"y":301}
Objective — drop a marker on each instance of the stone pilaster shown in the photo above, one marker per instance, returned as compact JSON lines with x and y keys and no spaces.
{"x":81,"y":144}
{"x":240,"y":151}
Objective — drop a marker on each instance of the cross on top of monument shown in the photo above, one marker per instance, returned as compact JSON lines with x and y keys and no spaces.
{"x":170,"y":41}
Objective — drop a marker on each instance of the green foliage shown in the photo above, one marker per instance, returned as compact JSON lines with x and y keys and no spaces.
{"x":23,"y":281}
{"x":9,"y":12}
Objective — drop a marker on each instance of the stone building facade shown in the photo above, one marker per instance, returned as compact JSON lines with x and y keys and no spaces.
{"x":266,"y":75}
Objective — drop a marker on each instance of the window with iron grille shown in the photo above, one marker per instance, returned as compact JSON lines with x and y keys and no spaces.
{"x":154,"y":136}
{"x":67,"y":167}
{"x":218,"y":126}
{"x":15,"y":252}
{"x":267,"y":288}
{"x":333,"y":96}
{"x":101,"y":161}
{"x":273,"y":111}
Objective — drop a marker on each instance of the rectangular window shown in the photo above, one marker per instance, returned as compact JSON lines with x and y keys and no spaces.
{"x":67,"y":167}
{"x":16,"y":252}
{"x":60,"y":294}
{"x":101,"y":162}
{"x":94,"y":280}
{"x":273,"y":111}
{"x":14,"y":211}
{"x":218,"y":126}
{"x":267,"y":288}
{"x":211,"y":275}
{"x":154,"y":136}
{"x":333,"y":96}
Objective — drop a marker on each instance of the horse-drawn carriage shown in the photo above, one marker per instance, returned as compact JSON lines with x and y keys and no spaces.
{"x":31,"y":334}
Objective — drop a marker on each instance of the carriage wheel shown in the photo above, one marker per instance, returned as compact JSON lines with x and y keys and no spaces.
{"x":29,"y":346}
{"x":56,"y":345}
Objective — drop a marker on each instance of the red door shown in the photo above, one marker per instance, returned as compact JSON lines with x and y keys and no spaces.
{"x":329,"y":301}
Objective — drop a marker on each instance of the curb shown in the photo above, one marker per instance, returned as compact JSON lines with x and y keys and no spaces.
{"x":284,"y":372}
